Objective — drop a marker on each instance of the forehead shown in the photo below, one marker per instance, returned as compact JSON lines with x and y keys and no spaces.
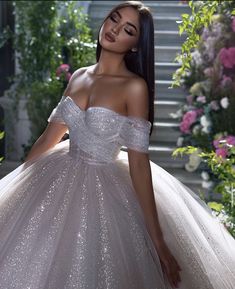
{"x":129,"y":14}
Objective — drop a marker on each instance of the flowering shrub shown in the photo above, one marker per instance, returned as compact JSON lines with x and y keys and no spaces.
{"x":221,"y":174}
{"x":62,"y":72}
{"x":55,"y":45}
{"x":210,"y":105}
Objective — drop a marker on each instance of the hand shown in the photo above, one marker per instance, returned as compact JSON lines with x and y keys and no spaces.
{"x":169,"y":264}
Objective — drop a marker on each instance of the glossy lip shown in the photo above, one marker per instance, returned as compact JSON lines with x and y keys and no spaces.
{"x":109,"y":37}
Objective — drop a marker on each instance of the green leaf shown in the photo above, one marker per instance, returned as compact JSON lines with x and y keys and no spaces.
{"x":215,"y":206}
{"x":2,"y":134}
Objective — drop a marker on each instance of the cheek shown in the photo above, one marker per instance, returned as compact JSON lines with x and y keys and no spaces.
{"x":127,"y":41}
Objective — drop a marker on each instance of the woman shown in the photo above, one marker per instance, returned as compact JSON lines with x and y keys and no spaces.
{"x":83,"y":214}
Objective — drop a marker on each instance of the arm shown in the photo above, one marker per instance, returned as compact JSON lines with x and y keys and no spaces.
{"x":140,"y":172}
{"x":48,"y":139}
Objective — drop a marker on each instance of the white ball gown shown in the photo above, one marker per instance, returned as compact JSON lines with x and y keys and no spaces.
{"x":71,"y":219}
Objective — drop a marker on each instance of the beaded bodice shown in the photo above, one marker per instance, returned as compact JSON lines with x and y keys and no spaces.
{"x":98,"y":133}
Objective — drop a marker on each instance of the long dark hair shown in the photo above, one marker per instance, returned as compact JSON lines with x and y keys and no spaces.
{"x":140,"y":62}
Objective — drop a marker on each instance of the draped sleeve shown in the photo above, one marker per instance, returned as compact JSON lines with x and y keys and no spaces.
{"x":134,"y":133}
{"x":56,"y":114}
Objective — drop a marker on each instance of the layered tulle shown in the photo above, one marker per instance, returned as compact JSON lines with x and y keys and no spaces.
{"x":68,"y":224}
{"x":65,"y":223}
{"x":71,"y":218}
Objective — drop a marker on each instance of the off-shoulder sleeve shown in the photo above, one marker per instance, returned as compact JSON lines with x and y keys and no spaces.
{"x":56,"y":115}
{"x":135,"y":133}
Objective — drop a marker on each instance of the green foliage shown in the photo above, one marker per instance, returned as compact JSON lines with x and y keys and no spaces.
{"x":39,"y":107}
{"x":48,"y":34}
{"x":201,"y":16}
{"x":224,"y":170}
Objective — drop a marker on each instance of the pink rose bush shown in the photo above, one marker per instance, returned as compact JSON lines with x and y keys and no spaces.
{"x":222,"y":145}
{"x":188,"y":119}
{"x":210,"y":104}
{"x":63,"y":71}
{"x":227,"y":57}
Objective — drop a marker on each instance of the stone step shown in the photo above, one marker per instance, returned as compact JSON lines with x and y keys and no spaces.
{"x":191,"y":180}
{"x":165,"y":70}
{"x":164,"y":92}
{"x":166,"y":23}
{"x":165,"y":131}
{"x":166,"y":53}
{"x":163,"y":108}
{"x":168,"y":38}
{"x":164,"y":8}
{"x":161,"y":153}
{"x":160,"y":23}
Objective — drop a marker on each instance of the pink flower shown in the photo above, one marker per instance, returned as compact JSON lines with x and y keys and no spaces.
{"x":216,"y":142}
{"x":199,"y":111}
{"x":221,"y":152}
{"x":227,"y":57}
{"x":227,"y":80}
{"x":233,"y":24}
{"x":230,"y":140}
{"x":201,"y":98}
{"x":188,"y":119}
{"x":63,"y":69}
{"x":214,"y":105}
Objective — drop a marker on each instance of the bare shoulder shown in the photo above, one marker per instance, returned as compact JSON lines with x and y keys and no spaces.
{"x":77,"y":73}
{"x":137,"y":97}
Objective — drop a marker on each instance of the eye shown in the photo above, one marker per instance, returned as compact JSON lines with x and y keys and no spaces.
{"x":113,"y":19}
{"x":128,"y":32}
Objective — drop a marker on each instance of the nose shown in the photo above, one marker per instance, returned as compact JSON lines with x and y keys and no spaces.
{"x":115,"y":29}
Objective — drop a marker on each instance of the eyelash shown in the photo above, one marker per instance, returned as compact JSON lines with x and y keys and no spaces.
{"x":112,"y":18}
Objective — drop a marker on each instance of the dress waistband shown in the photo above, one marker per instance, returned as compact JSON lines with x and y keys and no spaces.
{"x":77,"y":153}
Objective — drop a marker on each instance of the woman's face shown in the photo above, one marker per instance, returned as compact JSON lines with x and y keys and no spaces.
{"x":123,"y":26}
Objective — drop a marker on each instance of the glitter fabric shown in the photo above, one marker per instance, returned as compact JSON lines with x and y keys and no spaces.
{"x":71,"y":218}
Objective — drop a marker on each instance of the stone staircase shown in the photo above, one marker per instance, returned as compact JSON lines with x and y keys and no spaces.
{"x":167,"y":44}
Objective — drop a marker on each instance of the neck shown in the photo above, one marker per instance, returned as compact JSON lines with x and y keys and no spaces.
{"x":110,"y":64}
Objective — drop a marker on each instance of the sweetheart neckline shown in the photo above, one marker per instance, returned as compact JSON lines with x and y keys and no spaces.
{"x":105,"y":108}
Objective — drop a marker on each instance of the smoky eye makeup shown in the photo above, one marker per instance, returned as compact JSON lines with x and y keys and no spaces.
{"x":128,"y":32}
{"x":113,"y":17}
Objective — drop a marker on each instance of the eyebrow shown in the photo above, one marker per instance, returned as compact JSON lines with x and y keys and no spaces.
{"x":127,"y":22}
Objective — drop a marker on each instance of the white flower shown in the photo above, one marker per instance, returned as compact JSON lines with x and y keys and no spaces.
{"x":194,"y":162}
{"x":205,"y":176}
{"x":206,"y":124}
{"x":180,"y":141}
{"x":196,"y":129}
{"x":224,"y":102}
{"x":206,"y":129}
{"x":207,"y":185}
{"x":204,"y":121}
{"x":177,"y":114}
{"x":196,"y":55}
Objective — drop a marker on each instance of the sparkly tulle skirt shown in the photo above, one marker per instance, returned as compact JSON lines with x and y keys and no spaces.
{"x":69,"y":223}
